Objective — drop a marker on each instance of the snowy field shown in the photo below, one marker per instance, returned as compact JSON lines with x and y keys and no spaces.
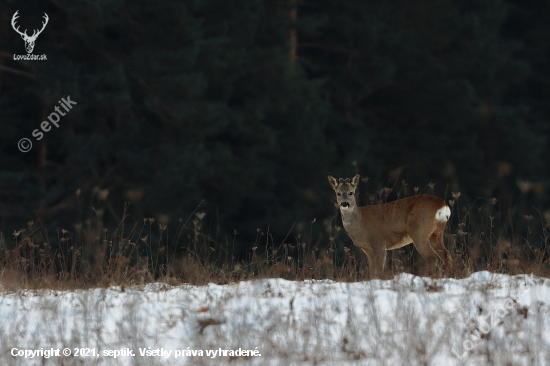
{"x":486,"y":319}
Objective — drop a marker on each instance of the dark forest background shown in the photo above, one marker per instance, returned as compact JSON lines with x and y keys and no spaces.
{"x":241,"y":108}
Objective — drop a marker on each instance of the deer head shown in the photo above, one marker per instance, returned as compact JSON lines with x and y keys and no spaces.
{"x":29,"y":40}
{"x":345,"y":190}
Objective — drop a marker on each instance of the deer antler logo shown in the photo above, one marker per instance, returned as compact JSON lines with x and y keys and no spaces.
{"x":29,"y":40}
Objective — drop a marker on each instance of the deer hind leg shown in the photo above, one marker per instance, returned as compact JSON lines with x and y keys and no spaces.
{"x":436,"y":242}
{"x":376,"y":261}
{"x":428,"y":254}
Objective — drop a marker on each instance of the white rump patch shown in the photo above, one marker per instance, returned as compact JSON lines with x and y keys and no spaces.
{"x":443,"y":214}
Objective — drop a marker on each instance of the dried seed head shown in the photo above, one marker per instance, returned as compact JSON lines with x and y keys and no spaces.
{"x":134,"y":195}
{"x":101,"y":194}
{"x":200,"y":215}
{"x":163,"y":219}
{"x":456,"y":195}
{"x":524,"y":186}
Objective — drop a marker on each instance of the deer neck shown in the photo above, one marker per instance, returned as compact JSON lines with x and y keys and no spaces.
{"x":350,"y":216}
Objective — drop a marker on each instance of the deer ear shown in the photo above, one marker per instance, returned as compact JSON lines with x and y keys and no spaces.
{"x":332,"y":181}
{"x":355,"y":180}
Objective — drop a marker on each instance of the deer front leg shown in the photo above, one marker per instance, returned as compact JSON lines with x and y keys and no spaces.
{"x":377,"y":260}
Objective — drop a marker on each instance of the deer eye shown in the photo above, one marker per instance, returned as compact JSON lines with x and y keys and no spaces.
{"x":351,"y":193}
{"x":338,"y":194}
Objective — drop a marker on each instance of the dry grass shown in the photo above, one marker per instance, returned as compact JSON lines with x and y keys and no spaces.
{"x":92,"y":256}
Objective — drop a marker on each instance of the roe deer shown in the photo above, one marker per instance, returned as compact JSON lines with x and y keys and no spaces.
{"x":419,"y":219}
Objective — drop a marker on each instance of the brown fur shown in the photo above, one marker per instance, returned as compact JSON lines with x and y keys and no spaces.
{"x":378,"y":228}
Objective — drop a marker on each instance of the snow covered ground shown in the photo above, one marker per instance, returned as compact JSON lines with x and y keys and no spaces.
{"x":481,"y":320}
